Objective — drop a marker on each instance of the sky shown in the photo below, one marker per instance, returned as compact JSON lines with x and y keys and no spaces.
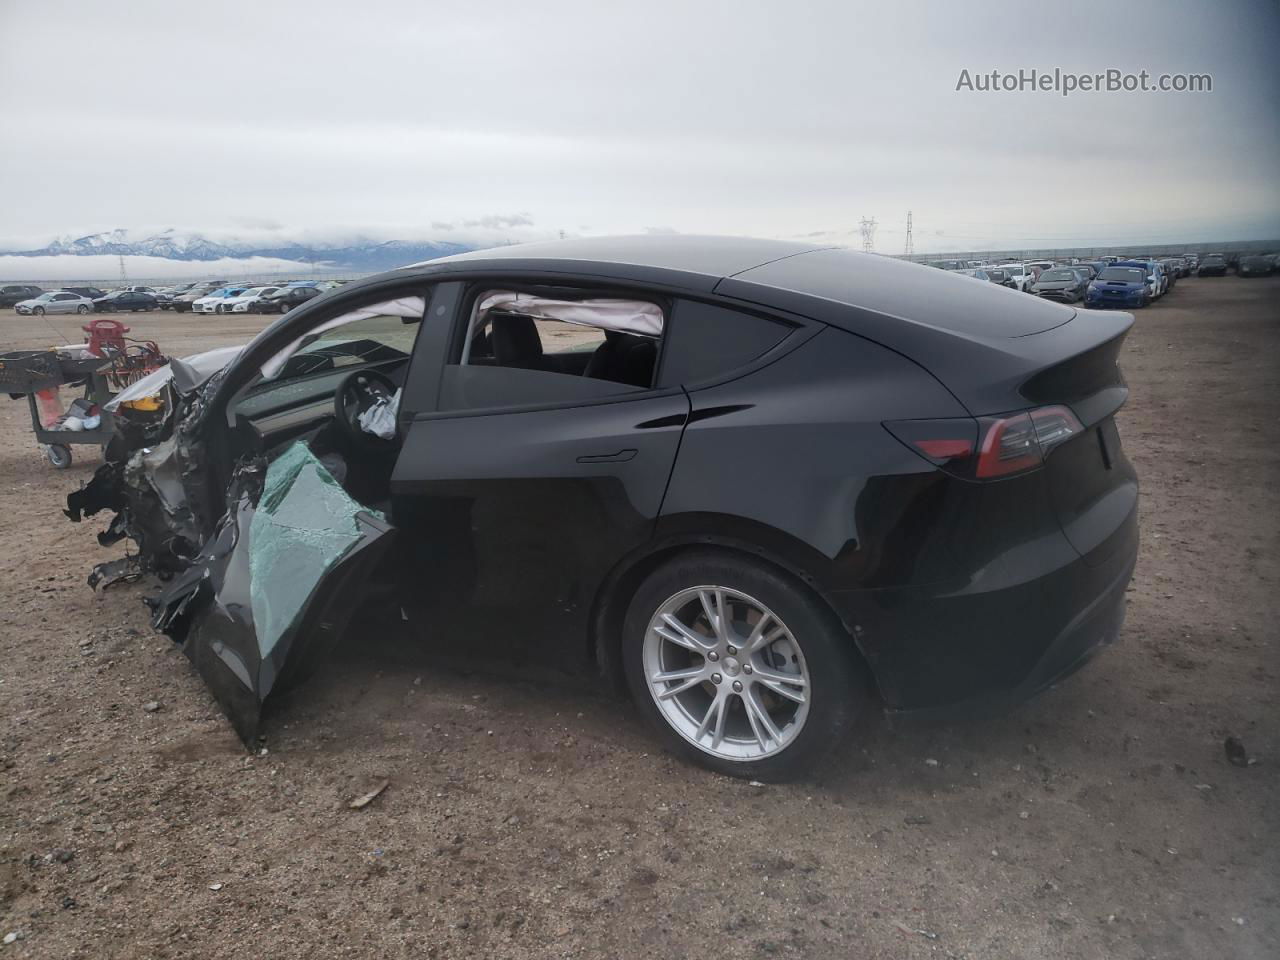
{"x":499,"y":121}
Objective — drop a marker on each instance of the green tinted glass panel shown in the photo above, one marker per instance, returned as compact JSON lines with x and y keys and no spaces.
{"x":303,"y":526}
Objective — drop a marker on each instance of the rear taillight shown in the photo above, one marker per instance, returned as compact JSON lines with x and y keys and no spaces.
{"x":990,"y":447}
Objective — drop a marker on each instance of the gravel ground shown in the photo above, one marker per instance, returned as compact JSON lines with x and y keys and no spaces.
{"x":529,"y":816}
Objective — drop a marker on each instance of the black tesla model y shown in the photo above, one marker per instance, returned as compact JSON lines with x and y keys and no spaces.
{"x":765,"y":486}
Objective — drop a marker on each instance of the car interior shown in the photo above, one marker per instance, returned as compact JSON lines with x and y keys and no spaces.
{"x":324,"y":387}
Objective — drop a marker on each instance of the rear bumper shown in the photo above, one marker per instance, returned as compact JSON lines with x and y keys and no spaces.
{"x":1013,"y":630}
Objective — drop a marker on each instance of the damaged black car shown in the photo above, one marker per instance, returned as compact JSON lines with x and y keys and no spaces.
{"x":764,"y":487}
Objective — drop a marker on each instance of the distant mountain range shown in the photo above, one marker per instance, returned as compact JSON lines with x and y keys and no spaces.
{"x":172,"y":245}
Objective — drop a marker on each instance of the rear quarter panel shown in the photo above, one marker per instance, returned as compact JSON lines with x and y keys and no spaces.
{"x":794,"y":457}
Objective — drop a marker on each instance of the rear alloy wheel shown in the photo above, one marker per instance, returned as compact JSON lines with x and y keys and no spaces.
{"x":739,"y":668}
{"x":83,"y":308}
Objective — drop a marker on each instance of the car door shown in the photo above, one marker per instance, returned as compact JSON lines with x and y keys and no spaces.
{"x":272,"y":591}
{"x":64,"y":303}
{"x":520,"y":485}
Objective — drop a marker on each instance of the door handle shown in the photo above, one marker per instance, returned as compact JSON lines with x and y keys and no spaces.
{"x":622,"y":456}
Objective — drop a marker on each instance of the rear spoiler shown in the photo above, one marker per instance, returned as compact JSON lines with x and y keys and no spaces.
{"x":1090,"y":383}
{"x":1074,"y":363}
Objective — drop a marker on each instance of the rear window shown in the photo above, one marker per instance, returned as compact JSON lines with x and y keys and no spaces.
{"x":707,"y":341}
{"x":900,"y":289}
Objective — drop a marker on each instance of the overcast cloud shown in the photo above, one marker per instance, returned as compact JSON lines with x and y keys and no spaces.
{"x":501,"y":120}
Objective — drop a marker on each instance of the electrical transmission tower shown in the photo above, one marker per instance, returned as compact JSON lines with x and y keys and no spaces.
{"x":910,"y":247}
{"x":124,"y":277}
{"x":868,"y":230}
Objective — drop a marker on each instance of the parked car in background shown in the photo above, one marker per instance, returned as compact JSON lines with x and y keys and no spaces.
{"x":125,"y":300}
{"x":246,"y":302}
{"x":1119,"y":287}
{"x":1157,"y":283}
{"x":182,"y":302}
{"x":135,"y":289}
{"x":1002,"y":276}
{"x":92,"y":293}
{"x":1088,"y":268}
{"x":286,"y":298}
{"x":1212,"y":265}
{"x":948,"y":264}
{"x":1064,"y":284}
{"x":1022,"y":277}
{"x":1258,"y":265}
{"x":165,"y":295}
{"x":15,"y":293}
{"x":977,"y":273}
{"x":55,"y":301}
{"x":210,"y":302}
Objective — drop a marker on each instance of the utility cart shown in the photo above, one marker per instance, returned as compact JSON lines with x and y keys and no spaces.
{"x":104,"y":365}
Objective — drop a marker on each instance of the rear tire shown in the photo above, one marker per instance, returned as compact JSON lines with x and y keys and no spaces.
{"x":717,"y":721}
{"x":82,"y":309}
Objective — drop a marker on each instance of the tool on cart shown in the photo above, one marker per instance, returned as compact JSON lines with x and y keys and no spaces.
{"x":130,"y":359}
{"x":107,"y":363}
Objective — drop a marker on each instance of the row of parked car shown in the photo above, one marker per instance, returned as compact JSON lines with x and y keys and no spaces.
{"x":219,"y":296}
{"x":205,"y":296}
{"x":1108,"y":281}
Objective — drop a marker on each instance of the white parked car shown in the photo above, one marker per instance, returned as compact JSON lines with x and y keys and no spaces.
{"x":211,"y":303}
{"x":246,"y":302}
{"x":55,"y":302}
{"x":1020,"y":274}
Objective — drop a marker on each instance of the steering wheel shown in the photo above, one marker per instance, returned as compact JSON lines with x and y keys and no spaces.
{"x":357,"y":393}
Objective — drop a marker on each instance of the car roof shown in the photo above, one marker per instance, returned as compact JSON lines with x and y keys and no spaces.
{"x":828,"y":283}
{"x":718,"y":256}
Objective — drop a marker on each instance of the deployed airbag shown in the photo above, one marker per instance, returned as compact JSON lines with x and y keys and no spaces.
{"x":625,"y":316}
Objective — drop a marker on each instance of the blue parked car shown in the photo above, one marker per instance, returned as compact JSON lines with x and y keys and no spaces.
{"x":1119,"y":287}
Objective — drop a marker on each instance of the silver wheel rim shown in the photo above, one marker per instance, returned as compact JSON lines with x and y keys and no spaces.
{"x":726,"y":673}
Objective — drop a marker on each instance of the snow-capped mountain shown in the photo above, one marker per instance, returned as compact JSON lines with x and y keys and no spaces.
{"x":360,"y":255}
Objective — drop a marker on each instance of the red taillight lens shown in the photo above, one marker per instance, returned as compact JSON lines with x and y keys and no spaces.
{"x":1054,"y":425}
{"x":941,"y":442}
{"x":1008,"y":446}
{"x":990,"y":447}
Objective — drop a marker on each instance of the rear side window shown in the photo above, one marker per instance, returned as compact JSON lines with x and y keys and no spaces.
{"x":527,"y":347}
{"x":707,"y":341}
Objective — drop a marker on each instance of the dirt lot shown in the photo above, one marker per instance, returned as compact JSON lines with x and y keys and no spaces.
{"x":531,"y":817}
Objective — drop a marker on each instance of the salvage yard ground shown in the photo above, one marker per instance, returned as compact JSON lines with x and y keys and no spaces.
{"x":529,"y":816}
